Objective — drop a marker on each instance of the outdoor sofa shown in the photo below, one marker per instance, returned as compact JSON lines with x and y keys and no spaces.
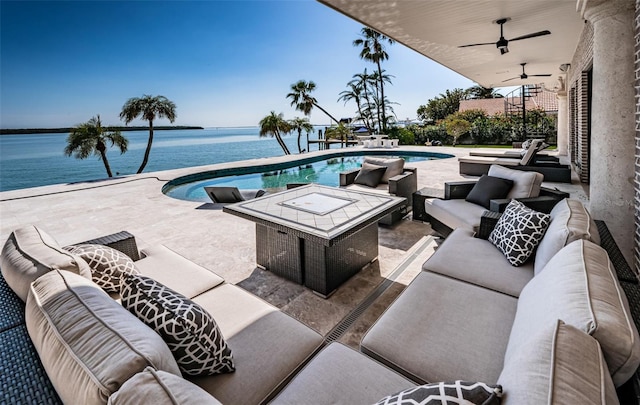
{"x":386,"y":176}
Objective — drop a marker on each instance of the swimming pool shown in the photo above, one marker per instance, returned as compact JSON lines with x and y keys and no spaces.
{"x":323,"y":170}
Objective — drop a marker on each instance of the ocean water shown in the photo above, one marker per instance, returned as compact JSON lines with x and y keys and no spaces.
{"x":38,"y":160}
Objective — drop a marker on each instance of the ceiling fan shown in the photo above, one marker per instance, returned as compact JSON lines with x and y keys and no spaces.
{"x":503,"y":43}
{"x":523,"y":76}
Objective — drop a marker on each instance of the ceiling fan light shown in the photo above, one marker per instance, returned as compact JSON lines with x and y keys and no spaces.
{"x":503,"y":50}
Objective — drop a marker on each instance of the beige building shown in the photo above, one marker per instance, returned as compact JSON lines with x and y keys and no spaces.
{"x":590,"y":47}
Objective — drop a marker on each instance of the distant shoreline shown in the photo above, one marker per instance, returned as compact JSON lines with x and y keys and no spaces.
{"x":26,"y":131}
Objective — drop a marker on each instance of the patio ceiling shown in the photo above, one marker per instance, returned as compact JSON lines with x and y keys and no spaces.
{"x":436,"y":29}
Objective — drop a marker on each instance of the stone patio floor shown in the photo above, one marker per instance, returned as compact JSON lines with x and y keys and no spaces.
{"x":225,"y":244}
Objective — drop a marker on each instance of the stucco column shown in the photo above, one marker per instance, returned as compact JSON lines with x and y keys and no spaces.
{"x":563,"y":123}
{"x":613,"y":119}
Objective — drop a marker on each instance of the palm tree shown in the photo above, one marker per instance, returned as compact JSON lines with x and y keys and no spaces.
{"x":300,"y":124}
{"x":148,"y":108}
{"x":90,"y":138}
{"x":372,"y":43}
{"x":303,"y":101}
{"x":274,"y":125}
{"x":480,"y":92}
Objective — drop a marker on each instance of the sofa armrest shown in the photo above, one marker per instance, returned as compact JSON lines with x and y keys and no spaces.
{"x":542,"y":204}
{"x":122,"y":241}
{"x":348,"y":177}
{"x":405,"y":184}
{"x":457,"y":189}
{"x":488,"y":221}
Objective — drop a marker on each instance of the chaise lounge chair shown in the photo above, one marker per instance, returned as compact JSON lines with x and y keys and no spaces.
{"x":227,"y":195}
{"x":552,"y":171}
{"x":515,"y":154}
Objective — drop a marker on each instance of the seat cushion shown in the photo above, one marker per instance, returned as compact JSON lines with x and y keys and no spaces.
{"x":190,"y":331}
{"x":89,"y":345}
{"x":268,"y":345}
{"x":395,"y":166}
{"x":456,"y":213}
{"x":176,"y":272}
{"x":30,"y":252}
{"x":579,"y":286}
{"x":107,"y":264}
{"x":456,"y":331}
{"x":561,"y":365}
{"x":481,"y":264}
{"x":340,"y":375}
{"x":489,"y":188}
{"x":525,"y":184}
{"x":570,"y":221}
{"x":160,"y":388}
{"x":370,"y":175}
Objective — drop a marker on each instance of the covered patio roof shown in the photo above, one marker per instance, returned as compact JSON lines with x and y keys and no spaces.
{"x":437,"y":29}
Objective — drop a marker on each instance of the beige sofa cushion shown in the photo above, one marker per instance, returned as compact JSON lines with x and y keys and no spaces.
{"x":268,"y":345}
{"x":455,"y":331}
{"x":525,"y":184}
{"x":340,"y":375}
{"x":30,"y":252}
{"x":89,"y":345}
{"x":456,"y":213}
{"x":160,"y":388}
{"x":561,"y":365}
{"x":395,"y":166}
{"x":570,"y":221}
{"x":181,"y":274}
{"x":481,"y":264}
{"x":579,"y":286}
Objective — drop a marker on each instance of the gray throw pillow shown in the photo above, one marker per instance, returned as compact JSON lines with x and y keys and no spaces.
{"x":107,"y":264}
{"x":189,"y":330}
{"x":519,"y":231}
{"x":370,"y":175}
{"x":456,"y":392}
{"x":489,"y":188}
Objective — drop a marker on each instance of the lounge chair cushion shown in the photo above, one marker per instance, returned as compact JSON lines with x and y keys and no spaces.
{"x":456,"y":213}
{"x":107,"y":264}
{"x":170,"y":268}
{"x":89,"y":345}
{"x":189,"y":330}
{"x":30,"y":252}
{"x":560,"y":365}
{"x":488,"y":188}
{"x":370,"y":175}
{"x":518,"y":232}
{"x":478,"y":262}
{"x":570,"y":221}
{"x":579,"y":286}
{"x":395,"y":166}
{"x":458,"y":392}
{"x":341,"y":375}
{"x":525,"y":184}
{"x":268,"y":345}
{"x":460,"y":328}
{"x":160,"y":388}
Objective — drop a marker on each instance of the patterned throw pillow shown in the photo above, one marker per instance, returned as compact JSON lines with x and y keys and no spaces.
{"x":457,"y":392}
{"x":518,"y":232}
{"x":188,"y":329}
{"x":107,"y":264}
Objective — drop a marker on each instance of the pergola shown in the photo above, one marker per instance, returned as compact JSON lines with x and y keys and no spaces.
{"x":590,"y":54}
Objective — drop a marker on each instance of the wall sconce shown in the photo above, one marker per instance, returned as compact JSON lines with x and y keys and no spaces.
{"x":564,"y":67}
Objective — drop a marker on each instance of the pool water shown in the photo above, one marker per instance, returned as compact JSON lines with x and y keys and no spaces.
{"x":325,"y":172}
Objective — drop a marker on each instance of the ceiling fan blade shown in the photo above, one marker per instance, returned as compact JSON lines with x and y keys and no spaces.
{"x":513,"y":78}
{"x":532,"y":35}
{"x":483,"y":43}
{"x":544,"y":75}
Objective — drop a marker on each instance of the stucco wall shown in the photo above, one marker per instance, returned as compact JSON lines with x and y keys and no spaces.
{"x":637,"y":151}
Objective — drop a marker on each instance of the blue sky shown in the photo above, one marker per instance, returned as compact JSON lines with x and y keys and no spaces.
{"x":224,"y":63}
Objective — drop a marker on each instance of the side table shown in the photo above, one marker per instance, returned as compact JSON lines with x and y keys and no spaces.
{"x":419,"y":196}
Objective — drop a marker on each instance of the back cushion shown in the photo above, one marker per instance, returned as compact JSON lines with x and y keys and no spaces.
{"x":89,"y":345}
{"x":395,"y":166}
{"x":525,"y":184}
{"x":580,"y":287}
{"x":570,"y":221}
{"x":562,"y":365}
{"x":29,"y":253}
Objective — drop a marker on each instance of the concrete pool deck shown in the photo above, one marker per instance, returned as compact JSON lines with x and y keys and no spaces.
{"x":224,"y":243}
